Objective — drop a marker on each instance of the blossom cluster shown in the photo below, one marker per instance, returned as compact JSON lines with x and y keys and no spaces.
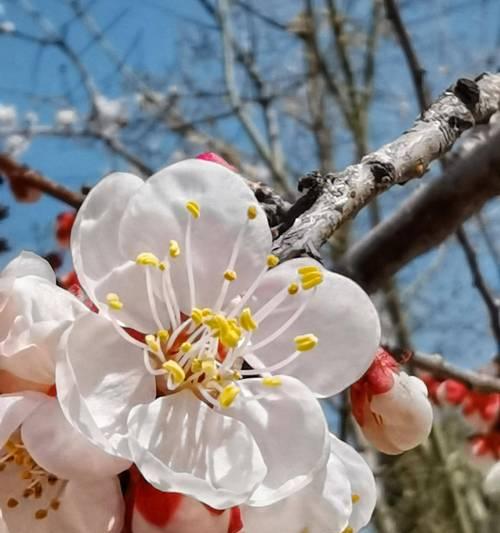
{"x":187,"y":364}
{"x":481,"y":413}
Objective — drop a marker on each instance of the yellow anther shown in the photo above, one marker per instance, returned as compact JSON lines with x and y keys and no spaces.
{"x":152,"y":343}
{"x":308,"y":281}
{"x":209,"y":367}
{"x":348,"y":530}
{"x":195,"y":365}
{"x":41,"y":514}
{"x":252,"y":212}
{"x":272,"y":261}
{"x":304,"y":343}
{"x":272,"y":381}
{"x":246,"y":320}
{"x":206,"y":311}
{"x":308,"y":270}
{"x":12,"y":502}
{"x":230,"y":275}
{"x":194,"y":208}
{"x":355,"y":498}
{"x":162,"y":266}
{"x":228,"y":395}
{"x":175,"y":370}
{"x":293,"y":288}
{"x":185,"y":347}
{"x":147,"y":259}
{"x":197,"y":316}
{"x":113,"y":301}
{"x":236,"y":375}
{"x":174,"y":249}
{"x":163,"y":335}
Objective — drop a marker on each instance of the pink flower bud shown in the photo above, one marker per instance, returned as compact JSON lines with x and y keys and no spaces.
{"x":211,"y":156}
{"x":391,"y":407}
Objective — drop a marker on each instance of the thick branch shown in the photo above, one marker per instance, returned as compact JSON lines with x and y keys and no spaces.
{"x":428,"y":217}
{"x":338,"y":197}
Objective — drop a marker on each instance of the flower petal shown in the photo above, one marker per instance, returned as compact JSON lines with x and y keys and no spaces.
{"x":109,"y":376}
{"x":360,"y":476}
{"x":338,"y":313}
{"x":58,"y":448}
{"x":14,"y":409}
{"x":290,"y":429}
{"x":33,"y":320}
{"x":158,"y":214}
{"x":94,"y":239}
{"x":325,"y":504}
{"x":491,"y":483}
{"x":181,"y":445}
{"x":29,"y":264}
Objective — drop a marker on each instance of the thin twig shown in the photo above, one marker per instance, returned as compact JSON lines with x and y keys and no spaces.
{"x":20,"y":174}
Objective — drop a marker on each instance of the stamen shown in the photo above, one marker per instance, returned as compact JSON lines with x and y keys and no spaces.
{"x":174,"y":249}
{"x":252,"y":212}
{"x":272,"y":261}
{"x":246,"y":320}
{"x":11,"y":503}
{"x":230,"y":275}
{"x":310,"y":276}
{"x":175,"y":371}
{"x":355,"y":498}
{"x":348,"y":530}
{"x":169,"y":298}
{"x":293,"y":288}
{"x":147,"y":259}
{"x":304,"y":343}
{"x":194,"y":208}
{"x":124,"y":335}
{"x":228,"y":395}
{"x":163,"y":335}
{"x":277,"y":366}
{"x":189,"y":262}
{"x":282,"y":328}
{"x":186,"y":347}
{"x":271,"y":305}
{"x":272,"y":381}
{"x":152,"y":299}
{"x":152,"y":343}
{"x":41,"y":514}
{"x":113,"y":301}
{"x":149,"y":368}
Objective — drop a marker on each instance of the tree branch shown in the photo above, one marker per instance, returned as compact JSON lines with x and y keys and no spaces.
{"x":437,"y":365}
{"x":338,"y":197}
{"x":26,"y":177}
{"x":422,"y":222}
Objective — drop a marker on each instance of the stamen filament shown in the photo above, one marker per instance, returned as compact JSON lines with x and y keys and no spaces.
{"x":152,"y":300}
{"x":189,"y":264}
{"x":272,"y":368}
{"x":282,"y":328}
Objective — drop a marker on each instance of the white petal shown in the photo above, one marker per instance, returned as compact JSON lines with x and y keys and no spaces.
{"x":109,"y":376}
{"x":58,"y":448}
{"x":290,"y":429}
{"x":85,"y":507}
{"x":14,"y":409}
{"x":157,"y":214}
{"x":362,"y":482}
{"x":94,"y":239}
{"x":29,"y":264}
{"x":181,"y":445}
{"x":491,"y":483}
{"x":406,"y":415}
{"x":32,"y":322}
{"x":322,"y":505}
{"x":341,"y":316}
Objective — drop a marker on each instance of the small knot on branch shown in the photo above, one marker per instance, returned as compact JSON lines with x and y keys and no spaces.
{"x":467,"y":91}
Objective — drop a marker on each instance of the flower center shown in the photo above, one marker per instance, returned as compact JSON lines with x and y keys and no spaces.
{"x":205,"y":350}
{"x":30,"y":481}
